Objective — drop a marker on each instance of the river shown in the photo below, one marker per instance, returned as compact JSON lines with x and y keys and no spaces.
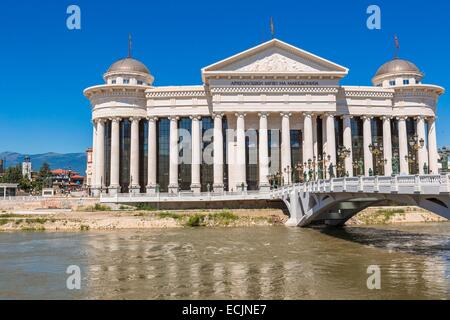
{"x":229,"y":263}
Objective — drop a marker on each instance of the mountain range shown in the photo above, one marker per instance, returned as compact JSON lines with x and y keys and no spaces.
{"x":72,"y":161}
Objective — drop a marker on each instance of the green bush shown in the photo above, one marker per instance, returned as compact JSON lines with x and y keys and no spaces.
{"x":144,"y":207}
{"x":33,"y":229}
{"x":226,"y":215}
{"x":100,"y":207}
{"x":169,"y":215}
{"x":195,"y":221}
{"x":37,"y":220}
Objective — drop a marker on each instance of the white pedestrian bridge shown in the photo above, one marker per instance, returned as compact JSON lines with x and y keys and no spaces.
{"x":330,"y":202}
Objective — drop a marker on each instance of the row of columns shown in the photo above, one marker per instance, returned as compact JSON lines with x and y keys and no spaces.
{"x":310,"y":149}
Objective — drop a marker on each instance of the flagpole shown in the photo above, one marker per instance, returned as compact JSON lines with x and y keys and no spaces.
{"x":129,"y":45}
{"x":272,"y":28}
{"x":397,"y":47}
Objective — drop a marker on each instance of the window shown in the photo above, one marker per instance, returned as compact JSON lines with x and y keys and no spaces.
{"x":406,"y":82}
{"x":140,"y":82}
{"x":126,"y":81}
{"x":113,"y":81}
{"x":392,"y":83}
{"x":163,"y":131}
{"x":207,"y":169}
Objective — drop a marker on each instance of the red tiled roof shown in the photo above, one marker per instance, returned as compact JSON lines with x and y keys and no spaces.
{"x":63,"y":171}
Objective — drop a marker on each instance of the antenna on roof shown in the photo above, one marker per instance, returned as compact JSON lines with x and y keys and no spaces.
{"x":397,"y":47}
{"x":130,"y":43}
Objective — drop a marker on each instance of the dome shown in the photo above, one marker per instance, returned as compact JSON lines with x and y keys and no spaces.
{"x":397,"y":66}
{"x":128,"y":65}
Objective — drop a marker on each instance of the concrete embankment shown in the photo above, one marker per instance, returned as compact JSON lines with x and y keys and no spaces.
{"x":69,"y":214}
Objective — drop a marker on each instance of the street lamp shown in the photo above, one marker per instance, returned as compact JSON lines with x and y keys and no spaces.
{"x":299,"y":168}
{"x":324,"y":161}
{"x":377,"y":150}
{"x":342,"y":153}
{"x":415,"y":145}
{"x":288,"y":172}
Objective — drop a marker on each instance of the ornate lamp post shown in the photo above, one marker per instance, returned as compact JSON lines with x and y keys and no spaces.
{"x":444,"y":152}
{"x":342,"y":153}
{"x":299,"y":169}
{"x":288,"y":172}
{"x":314,"y":167}
{"x":278,"y":177}
{"x":415,"y":145}
{"x":355,"y":166}
{"x":310,"y":172}
{"x":326,"y":159}
{"x":320,"y":168}
{"x":395,"y":163}
{"x":377,"y":150}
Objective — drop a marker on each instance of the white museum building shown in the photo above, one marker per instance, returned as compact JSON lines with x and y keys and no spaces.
{"x":269,"y":116}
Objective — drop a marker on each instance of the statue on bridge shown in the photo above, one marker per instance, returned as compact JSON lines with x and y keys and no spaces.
{"x":331,"y":170}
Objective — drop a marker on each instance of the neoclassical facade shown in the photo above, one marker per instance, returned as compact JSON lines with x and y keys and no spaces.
{"x":274,"y":114}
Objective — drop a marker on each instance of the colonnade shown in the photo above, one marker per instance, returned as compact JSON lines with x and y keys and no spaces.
{"x":426,"y":156}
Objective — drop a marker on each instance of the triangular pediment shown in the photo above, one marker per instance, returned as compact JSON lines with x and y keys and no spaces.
{"x":275,"y":57}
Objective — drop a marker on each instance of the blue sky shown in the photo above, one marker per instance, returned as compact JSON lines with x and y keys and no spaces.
{"x":45,"y":66}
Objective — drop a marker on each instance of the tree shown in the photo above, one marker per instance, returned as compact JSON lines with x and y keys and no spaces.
{"x":43,"y":179}
{"x":12,"y":175}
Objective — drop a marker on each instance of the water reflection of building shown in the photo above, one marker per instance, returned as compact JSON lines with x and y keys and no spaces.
{"x":158,"y":267}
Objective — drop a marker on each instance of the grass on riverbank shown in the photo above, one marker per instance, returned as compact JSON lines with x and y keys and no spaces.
{"x":95,"y":208}
{"x":202,"y":219}
{"x":381,"y":216}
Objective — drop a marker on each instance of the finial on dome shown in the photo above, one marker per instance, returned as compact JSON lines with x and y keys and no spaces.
{"x":397,"y":46}
{"x":130,"y":42}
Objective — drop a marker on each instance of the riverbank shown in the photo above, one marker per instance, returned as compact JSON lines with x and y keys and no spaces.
{"x":99,"y":217}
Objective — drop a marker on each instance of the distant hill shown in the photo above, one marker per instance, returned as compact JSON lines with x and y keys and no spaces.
{"x":73,"y":161}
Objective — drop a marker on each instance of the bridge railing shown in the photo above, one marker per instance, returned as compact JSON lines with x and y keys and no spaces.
{"x":402,"y":184}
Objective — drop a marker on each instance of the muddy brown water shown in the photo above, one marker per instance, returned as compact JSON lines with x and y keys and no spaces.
{"x":229,"y":263}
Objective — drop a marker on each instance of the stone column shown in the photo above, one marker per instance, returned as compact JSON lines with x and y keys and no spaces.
{"x":152,"y":155}
{"x":367,"y":137}
{"x":115,"y":156}
{"x":432,"y":146}
{"x":286,"y":147}
{"x":218,"y":153}
{"x":387,"y":145}
{"x":240,"y":152}
{"x":324,"y":135}
{"x":100,"y":157}
{"x":315,"y":141}
{"x":196,"y":186}
{"x":403,"y":145}
{"x":264,"y":184}
{"x":173,"y":145}
{"x":422,"y":153}
{"x":331,"y":143}
{"x":347,"y":127}
{"x":134,"y":156}
{"x":94,"y":155}
{"x":308,"y":147}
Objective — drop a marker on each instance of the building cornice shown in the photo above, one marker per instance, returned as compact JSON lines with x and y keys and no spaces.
{"x":367,"y":92}
{"x":419,"y":89}
{"x":116,"y":89}
{"x":179,"y":91}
